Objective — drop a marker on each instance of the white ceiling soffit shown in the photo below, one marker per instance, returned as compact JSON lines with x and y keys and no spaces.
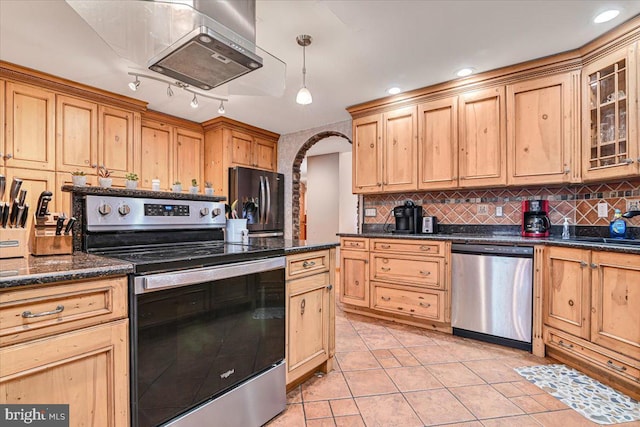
{"x":139,"y":30}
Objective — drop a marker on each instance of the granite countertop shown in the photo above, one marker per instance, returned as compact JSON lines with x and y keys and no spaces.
{"x":293,"y":246}
{"x":123,"y":192}
{"x":510,"y":239}
{"x":34,"y":270}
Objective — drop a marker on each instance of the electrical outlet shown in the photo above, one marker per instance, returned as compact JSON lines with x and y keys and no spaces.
{"x":498,"y":210}
{"x":633,"y":205}
{"x":371,"y":212}
{"x":483,"y":209}
{"x":603,"y":210}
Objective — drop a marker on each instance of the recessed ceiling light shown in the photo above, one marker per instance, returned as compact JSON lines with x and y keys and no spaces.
{"x":465,"y":72}
{"x":393,"y":90}
{"x":605,"y":16}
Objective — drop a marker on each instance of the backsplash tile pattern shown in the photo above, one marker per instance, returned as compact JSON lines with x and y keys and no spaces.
{"x":578,"y":203}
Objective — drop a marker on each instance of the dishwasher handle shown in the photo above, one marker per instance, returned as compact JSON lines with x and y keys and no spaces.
{"x":495,"y":250}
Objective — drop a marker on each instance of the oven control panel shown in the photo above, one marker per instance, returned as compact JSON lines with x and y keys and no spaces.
{"x":109,"y":213}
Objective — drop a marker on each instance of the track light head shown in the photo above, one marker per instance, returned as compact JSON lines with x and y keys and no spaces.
{"x":134,"y":84}
{"x":221,"y":108}
{"x":194,"y":101}
{"x":169,"y":91}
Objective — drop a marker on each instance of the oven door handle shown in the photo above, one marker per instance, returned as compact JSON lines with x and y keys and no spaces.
{"x":155,"y":282}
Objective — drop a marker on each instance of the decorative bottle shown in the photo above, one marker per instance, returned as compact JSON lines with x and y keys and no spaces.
{"x":617,"y":227}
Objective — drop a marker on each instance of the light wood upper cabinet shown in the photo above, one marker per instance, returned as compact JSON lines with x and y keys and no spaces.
{"x":2,"y":122}
{"x":265,"y":154}
{"x":540,"y":130}
{"x":241,"y":144}
{"x":438,"y":144}
{"x":367,"y":154}
{"x":567,"y":290}
{"x":253,"y":152}
{"x":400,"y":152}
{"x":116,"y":140}
{"x":188,"y":153}
{"x":482,"y":139}
{"x":610,"y":146}
{"x":156,"y":154}
{"x":615,"y":322}
{"x":76,"y":135}
{"x":30,"y":127}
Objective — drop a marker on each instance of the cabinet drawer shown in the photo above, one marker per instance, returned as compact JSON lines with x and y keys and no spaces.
{"x":426,"y":304}
{"x":607,"y":360}
{"x":27,"y":314}
{"x":354,"y":243}
{"x":306,"y":264}
{"x":414,"y":247}
{"x":410,"y":270}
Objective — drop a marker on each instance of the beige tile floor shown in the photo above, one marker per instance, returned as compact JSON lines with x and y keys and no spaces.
{"x":388,"y":375}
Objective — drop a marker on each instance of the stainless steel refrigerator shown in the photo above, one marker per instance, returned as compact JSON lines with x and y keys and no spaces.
{"x":258,"y":196}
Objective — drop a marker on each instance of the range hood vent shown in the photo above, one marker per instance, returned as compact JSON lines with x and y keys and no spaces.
{"x":202,"y":43}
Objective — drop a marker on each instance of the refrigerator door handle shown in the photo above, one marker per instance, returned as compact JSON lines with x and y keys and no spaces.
{"x":262,"y":200}
{"x":268,"y":213}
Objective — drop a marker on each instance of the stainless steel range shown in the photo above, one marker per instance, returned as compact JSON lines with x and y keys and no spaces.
{"x":206,"y":318}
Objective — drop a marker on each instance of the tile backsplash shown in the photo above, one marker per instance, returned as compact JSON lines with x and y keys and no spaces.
{"x":577,"y":202}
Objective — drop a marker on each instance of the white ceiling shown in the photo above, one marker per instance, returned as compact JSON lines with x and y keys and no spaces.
{"x":360,"y":48}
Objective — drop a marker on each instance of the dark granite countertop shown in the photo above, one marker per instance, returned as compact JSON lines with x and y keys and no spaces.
{"x":122,"y":192}
{"x":510,"y":239}
{"x":58,"y":268}
{"x":293,"y":246}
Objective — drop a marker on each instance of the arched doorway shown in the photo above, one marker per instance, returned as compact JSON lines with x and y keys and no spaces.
{"x":295,"y":176}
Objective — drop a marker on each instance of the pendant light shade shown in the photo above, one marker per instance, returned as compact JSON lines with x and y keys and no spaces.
{"x":304,"y":96}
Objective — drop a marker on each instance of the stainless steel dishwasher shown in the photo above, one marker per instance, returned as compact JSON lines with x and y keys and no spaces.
{"x":492,"y":293}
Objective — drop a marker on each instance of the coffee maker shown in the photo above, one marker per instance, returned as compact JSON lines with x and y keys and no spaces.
{"x":408,"y":218}
{"x":535,"y":218}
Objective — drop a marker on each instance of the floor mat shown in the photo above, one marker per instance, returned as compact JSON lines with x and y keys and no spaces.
{"x":594,"y":400}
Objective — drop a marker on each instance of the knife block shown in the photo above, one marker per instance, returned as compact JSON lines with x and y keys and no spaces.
{"x":44,"y":240}
{"x":13,"y":243}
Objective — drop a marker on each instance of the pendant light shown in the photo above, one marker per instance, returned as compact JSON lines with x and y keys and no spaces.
{"x":304,"y":96}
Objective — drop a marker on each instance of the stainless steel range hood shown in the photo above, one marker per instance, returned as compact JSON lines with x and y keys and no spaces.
{"x":203,"y":43}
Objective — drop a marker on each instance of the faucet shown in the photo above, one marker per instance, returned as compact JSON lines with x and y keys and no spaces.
{"x":631,"y":213}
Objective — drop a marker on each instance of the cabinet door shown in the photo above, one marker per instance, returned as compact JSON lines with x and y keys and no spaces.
{"x":2,"y":117}
{"x":116,"y":140}
{"x":76,"y":135}
{"x":35,"y":182}
{"x":265,"y":153}
{"x":400,"y":158}
{"x":87,"y":369}
{"x":482,"y":154}
{"x":610,"y":116}
{"x":241,"y":145}
{"x":367,"y":154}
{"x":188,"y":157}
{"x":308,"y":329}
{"x":354,"y":278}
{"x":615,"y":323}
{"x":539,"y":133}
{"x":438,"y":144}
{"x":156,"y":154}
{"x":567,"y":293}
{"x":30,"y":127}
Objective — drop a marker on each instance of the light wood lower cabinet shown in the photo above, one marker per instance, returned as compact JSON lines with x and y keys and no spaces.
{"x":68,"y":343}
{"x":354,"y":277}
{"x":591,"y":315}
{"x":310,"y":301}
{"x":427,"y":304}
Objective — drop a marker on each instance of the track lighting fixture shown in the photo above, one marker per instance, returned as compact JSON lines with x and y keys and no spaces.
{"x":134,"y":85}
{"x":180,"y":85}
{"x":304,"y":96}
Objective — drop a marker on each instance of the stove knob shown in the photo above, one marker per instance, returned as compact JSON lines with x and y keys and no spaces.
{"x":104,"y":209}
{"x":124,"y":210}
{"x":204,"y":212}
{"x":216,"y":212}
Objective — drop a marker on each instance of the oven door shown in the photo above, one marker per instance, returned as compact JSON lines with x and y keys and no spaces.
{"x":197,"y":334}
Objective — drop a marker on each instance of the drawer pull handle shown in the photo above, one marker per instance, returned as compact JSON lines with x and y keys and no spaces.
{"x":425,"y":248}
{"x":425,"y":273}
{"x":329,"y":287}
{"x":308,"y":264}
{"x":583,"y":264}
{"x":385,"y":246}
{"x":425,"y":304}
{"x":385,"y":298}
{"x":594,"y":266}
{"x":30,"y":315}
{"x":385,"y":268}
{"x":303,"y":303}
{"x":353,"y":244}
{"x":562,"y":344}
{"x":571,"y":303}
{"x":615,"y":367}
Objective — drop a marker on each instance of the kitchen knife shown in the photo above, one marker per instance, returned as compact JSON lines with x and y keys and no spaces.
{"x":4,"y":217}
{"x":41,"y":207}
{"x":25,"y":216}
{"x":69,"y":226}
{"x":15,"y":188}
{"x":13,"y":216}
{"x":19,"y":216}
{"x":22,"y":197}
{"x":60,"y":224}
{"x":3,"y":185}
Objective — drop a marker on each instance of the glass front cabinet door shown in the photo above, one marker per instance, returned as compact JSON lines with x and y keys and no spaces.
{"x":610,"y":140}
